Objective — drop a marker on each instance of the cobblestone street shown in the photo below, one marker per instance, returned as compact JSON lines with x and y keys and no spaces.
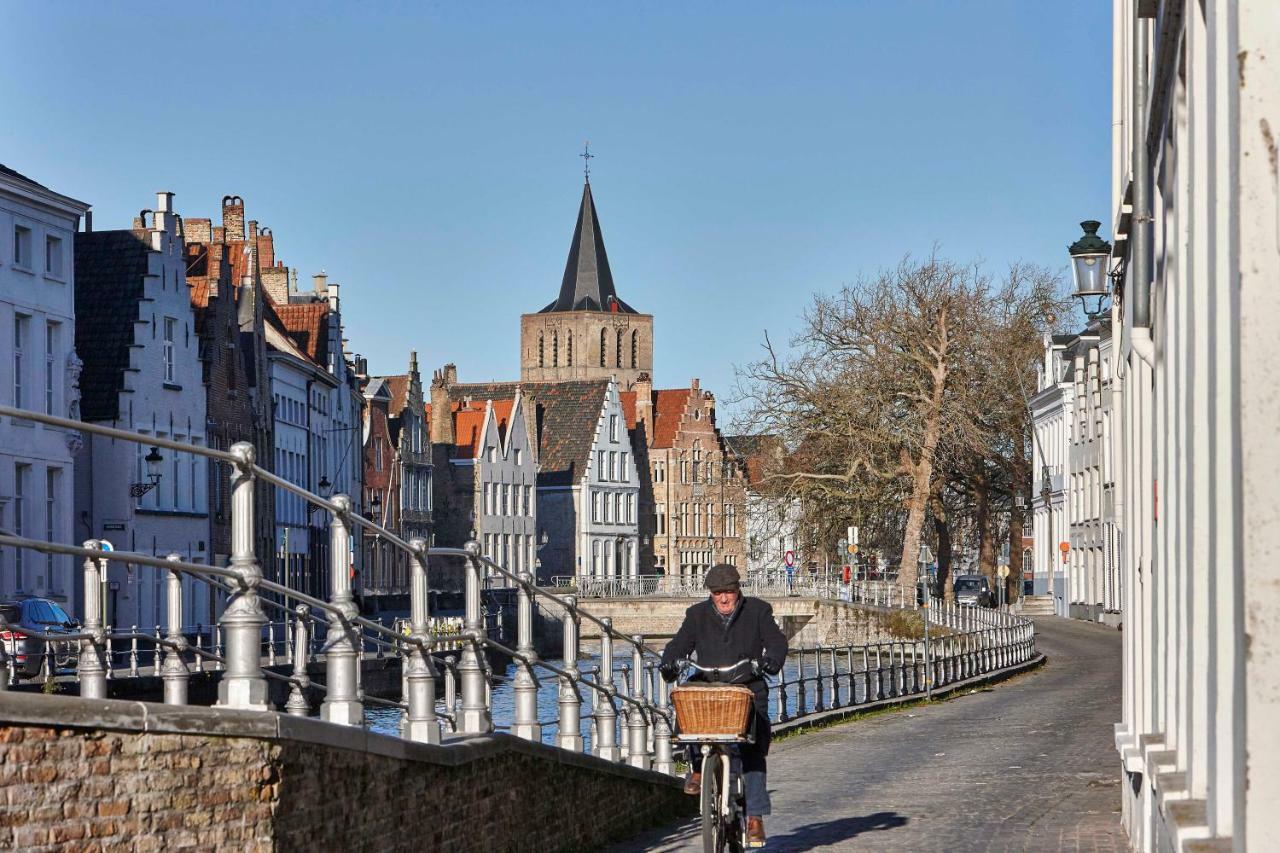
{"x":1024,"y":765}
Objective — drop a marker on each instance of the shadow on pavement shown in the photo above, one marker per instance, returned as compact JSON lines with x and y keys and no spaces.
{"x":834,"y":831}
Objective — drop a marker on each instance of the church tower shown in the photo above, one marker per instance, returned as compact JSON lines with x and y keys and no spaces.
{"x":587,"y":332}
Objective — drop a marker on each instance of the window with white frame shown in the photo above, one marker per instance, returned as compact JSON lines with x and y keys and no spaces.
{"x":20,"y":324}
{"x":600,"y":469}
{"x":660,"y":518}
{"x":22,"y":246}
{"x":613,"y":428}
{"x":53,"y":255}
{"x":51,"y":477}
{"x":595,"y":556}
{"x":20,"y":472}
{"x":605,"y":517}
{"x":170,"y":325}
{"x":50,"y":369}
{"x":622,"y":467}
{"x":631,"y":508}
{"x":528,"y":500}
{"x":697,"y":519}
{"x":613,"y":466}
{"x":595,"y":506}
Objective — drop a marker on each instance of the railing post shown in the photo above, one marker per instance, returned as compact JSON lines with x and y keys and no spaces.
{"x":271,"y":644}
{"x":526,"y":723}
{"x":570,"y":734}
{"x":298,"y":705}
{"x":420,"y":723}
{"x":663,"y":758}
{"x":853,"y":690}
{"x":835,"y":680}
{"x":341,"y":703}
{"x":866,"y":674}
{"x":638,"y":749}
{"x":801,"y":693}
{"x":243,"y":685}
{"x":819,"y":693}
{"x":174,"y":668}
{"x":476,"y":718}
{"x":92,"y":666}
{"x":605,"y":741}
{"x":451,"y":691}
{"x":782,"y":695}
{"x":879,"y":675}
{"x":133,"y":651}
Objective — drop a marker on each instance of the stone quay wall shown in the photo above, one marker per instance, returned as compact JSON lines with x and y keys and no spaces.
{"x":80,"y":774}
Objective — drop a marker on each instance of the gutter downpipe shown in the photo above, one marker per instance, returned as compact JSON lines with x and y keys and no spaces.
{"x":1140,"y":332}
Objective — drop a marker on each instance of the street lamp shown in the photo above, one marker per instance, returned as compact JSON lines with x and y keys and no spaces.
{"x":153,"y":460}
{"x":1089,"y":257}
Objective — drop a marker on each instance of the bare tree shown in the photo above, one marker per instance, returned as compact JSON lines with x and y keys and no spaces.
{"x":889,"y":379}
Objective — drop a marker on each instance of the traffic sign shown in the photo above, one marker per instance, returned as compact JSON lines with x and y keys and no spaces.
{"x":1003,"y":571}
{"x":853,"y":549}
{"x":790,"y":559}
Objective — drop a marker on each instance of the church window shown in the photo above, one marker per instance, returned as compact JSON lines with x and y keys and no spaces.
{"x":635,"y":346}
{"x":568,"y":346}
{"x":603,"y":347}
{"x":619,"y":348}
{"x":697,"y":460}
{"x":542,"y":361}
{"x":555,"y":349}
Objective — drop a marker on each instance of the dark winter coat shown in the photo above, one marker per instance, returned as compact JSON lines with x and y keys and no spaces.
{"x":751,"y":634}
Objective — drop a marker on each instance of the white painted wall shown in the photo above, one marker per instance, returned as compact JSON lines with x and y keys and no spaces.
{"x":37,"y":289}
{"x":607,"y":500}
{"x":174,"y":516}
{"x":506,"y":492}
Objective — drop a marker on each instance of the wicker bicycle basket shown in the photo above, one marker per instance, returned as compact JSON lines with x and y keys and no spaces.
{"x":712,"y":709}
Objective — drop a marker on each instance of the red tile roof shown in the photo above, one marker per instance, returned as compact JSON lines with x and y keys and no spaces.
{"x":307,"y":323}
{"x":398,"y":386}
{"x":668,"y":408}
{"x":468,"y":425}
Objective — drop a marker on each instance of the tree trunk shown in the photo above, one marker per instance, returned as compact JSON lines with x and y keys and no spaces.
{"x":942,"y":527}
{"x":986,"y":530}
{"x":922,"y":472}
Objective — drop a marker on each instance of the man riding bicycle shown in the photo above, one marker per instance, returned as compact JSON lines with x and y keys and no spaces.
{"x":727,"y":628}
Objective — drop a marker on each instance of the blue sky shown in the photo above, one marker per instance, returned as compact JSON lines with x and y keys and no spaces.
{"x":425,"y":155}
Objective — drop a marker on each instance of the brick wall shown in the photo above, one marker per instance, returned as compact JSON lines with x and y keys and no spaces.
{"x":91,"y":775}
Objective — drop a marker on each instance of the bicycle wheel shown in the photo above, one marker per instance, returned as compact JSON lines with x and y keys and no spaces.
{"x":712,"y":824}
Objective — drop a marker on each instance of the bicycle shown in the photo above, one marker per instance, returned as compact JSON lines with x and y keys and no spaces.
{"x":716,"y":733}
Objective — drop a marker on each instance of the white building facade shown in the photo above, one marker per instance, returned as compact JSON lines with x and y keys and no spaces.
{"x":1052,"y":412}
{"x":38,"y":371}
{"x":1196,"y":411}
{"x":607,"y":498}
{"x":148,"y":380}
{"x":506,"y":477}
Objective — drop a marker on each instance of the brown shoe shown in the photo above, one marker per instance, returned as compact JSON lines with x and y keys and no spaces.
{"x":693,"y":783}
{"x":755,"y":832}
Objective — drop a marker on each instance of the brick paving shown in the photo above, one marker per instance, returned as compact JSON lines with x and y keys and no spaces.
{"x":1024,"y":765}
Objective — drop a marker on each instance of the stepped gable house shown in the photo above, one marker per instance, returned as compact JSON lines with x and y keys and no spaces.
{"x":587,"y":332}
{"x":693,"y":492}
{"x":230,"y":308}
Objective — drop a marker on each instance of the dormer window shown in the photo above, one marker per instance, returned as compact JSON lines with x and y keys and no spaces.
{"x":493,"y":454}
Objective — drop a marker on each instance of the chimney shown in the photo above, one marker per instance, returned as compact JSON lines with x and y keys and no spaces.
{"x":293,"y":283}
{"x":693,"y":386}
{"x":321,"y":282}
{"x":266,"y":248}
{"x":199,"y":231}
{"x":233,"y":217}
{"x":88,"y":222}
{"x":362,"y":367}
{"x":253,"y":230}
{"x":413,"y":364}
{"x":644,"y":405}
{"x":441,"y":416}
{"x":451,"y":374}
{"x":275,"y":281}
{"x":333,"y":298}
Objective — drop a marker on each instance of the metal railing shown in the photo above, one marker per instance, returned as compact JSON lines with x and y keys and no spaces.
{"x":765,"y":584}
{"x":628,"y":711}
{"x":634,"y":704}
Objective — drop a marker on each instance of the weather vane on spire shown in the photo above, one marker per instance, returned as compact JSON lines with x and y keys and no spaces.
{"x":586,"y":156}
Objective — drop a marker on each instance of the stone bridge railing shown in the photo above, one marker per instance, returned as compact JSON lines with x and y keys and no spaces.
{"x":618,"y":695}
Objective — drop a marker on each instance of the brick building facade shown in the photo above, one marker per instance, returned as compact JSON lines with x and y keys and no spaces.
{"x":587,"y":332}
{"x":693,"y":489}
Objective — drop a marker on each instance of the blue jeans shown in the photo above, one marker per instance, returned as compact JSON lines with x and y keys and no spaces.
{"x":750,"y":760}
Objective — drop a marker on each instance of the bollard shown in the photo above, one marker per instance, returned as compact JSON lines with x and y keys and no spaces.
{"x":298,"y":705}
{"x":174,"y":669}
{"x":638,"y":748}
{"x":525,"y":725}
{"x":451,"y":692}
{"x":663,"y":758}
{"x":570,"y":734}
{"x":420,"y":723}
{"x":271,"y":644}
{"x":243,"y":685}
{"x":93,"y":663}
{"x":341,"y":703}
{"x":604,"y":742}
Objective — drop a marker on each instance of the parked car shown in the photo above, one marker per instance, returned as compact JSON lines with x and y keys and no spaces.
{"x":43,"y":616}
{"x":973,"y":591}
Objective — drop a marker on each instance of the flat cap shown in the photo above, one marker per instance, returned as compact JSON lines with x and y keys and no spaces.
{"x":722,"y":578}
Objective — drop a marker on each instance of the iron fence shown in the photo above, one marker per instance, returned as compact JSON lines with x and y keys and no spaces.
{"x":628,"y":711}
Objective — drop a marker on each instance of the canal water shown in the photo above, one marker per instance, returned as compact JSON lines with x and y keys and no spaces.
{"x":387,"y":720}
